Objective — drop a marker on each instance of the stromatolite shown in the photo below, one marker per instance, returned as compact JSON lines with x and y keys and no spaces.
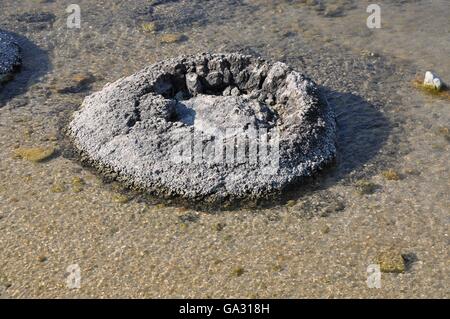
{"x":208,"y":126}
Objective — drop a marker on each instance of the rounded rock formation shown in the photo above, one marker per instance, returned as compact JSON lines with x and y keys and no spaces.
{"x":208,"y":127}
{"x":9,"y":56}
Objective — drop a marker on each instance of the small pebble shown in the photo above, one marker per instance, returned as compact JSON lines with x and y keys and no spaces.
{"x":171,"y":38}
{"x":34,"y":154}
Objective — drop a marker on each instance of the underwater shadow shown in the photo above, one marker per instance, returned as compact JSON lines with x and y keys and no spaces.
{"x":361,"y":129}
{"x":35,"y":64}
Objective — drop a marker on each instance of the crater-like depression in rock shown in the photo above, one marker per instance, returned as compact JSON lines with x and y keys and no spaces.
{"x":208,"y":127}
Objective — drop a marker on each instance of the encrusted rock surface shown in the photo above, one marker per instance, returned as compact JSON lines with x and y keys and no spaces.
{"x":208,"y":127}
{"x":9,"y":56}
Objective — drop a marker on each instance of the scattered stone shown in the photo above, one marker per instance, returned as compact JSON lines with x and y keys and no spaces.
{"x":150,"y":27}
{"x":333,"y":207}
{"x":10,"y":59}
{"x":58,"y":188}
{"x":189,"y":218}
{"x":445,"y":132}
{"x":144,"y":11}
{"x":34,"y":154}
{"x":160,"y":206}
{"x":172,"y":38}
{"x":391,"y":175}
{"x":77,"y":184}
{"x":277,"y":267}
{"x":365,"y":187}
{"x":79,"y":83}
{"x":139,"y":128}
{"x":120,"y":198}
{"x":412,"y":171}
{"x":219,"y":226}
{"x":325,"y":229}
{"x":432,"y":80}
{"x":42,"y":259}
{"x":391,"y":261}
{"x":238,"y":271}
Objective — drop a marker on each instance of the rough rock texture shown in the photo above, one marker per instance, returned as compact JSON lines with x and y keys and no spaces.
{"x":209,"y":126}
{"x":9,"y":56}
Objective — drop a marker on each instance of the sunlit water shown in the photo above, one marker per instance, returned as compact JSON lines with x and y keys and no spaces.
{"x":317,"y":241}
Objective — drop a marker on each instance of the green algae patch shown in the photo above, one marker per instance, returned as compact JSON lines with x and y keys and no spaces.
{"x":34,"y":154}
{"x":237,"y":272}
{"x":325,"y":229}
{"x":42,"y":258}
{"x":77,"y":184}
{"x":219,"y":226}
{"x":391,"y":261}
{"x":58,"y":188}
{"x":150,"y":27}
{"x":277,"y":268}
{"x":391,"y":175}
{"x":160,"y":206}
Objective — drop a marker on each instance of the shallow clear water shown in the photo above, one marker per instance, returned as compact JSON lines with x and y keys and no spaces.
{"x":315,"y":242}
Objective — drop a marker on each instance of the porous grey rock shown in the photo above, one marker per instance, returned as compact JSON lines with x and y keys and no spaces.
{"x":9,"y":56}
{"x":221,"y":140}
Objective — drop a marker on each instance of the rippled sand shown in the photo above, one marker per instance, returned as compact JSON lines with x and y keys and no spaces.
{"x":389,"y":189}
